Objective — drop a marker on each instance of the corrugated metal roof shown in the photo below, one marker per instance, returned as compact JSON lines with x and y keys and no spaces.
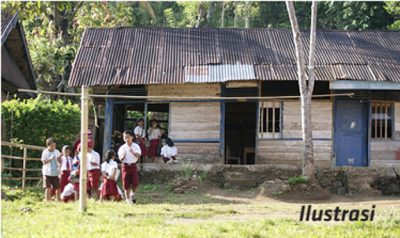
{"x":219,"y":73}
{"x":8,"y":22}
{"x":133,"y":56}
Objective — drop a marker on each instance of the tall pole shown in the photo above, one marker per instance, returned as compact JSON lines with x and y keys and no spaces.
{"x":84,"y":144}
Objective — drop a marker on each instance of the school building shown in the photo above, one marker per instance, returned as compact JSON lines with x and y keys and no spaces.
{"x":204,"y":67}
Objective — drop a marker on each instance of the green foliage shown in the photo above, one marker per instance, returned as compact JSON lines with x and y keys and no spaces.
{"x":203,"y":176}
{"x":393,"y":8}
{"x":31,"y":121}
{"x":187,"y":170}
{"x":297,"y":180}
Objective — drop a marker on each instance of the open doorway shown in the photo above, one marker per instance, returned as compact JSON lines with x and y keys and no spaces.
{"x":240,"y":132}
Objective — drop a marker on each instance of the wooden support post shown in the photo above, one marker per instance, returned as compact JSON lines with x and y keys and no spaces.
{"x":108,"y":124}
{"x":24,"y":167}
{"x":145,"y":114}
{"x":84,"y":147}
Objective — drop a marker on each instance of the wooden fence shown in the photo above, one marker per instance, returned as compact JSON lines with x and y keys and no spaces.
{"x":25,"y":159}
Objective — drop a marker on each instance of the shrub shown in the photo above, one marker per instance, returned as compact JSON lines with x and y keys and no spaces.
{"x":297,"y":180}
{"x":31,"y":121}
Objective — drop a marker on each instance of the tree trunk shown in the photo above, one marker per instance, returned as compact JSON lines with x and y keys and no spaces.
{"x":235,"y":14}
{"x":306,"y":89}
{"x":210,"y":13}
{"x":223,"y":15}
{"x":247,"y":14}
{"x":199,"y":14}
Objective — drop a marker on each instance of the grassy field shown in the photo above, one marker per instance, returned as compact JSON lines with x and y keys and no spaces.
{"x":211,"y":213}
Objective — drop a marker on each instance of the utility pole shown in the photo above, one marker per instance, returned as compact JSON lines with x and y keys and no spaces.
{"x":84,"y":147}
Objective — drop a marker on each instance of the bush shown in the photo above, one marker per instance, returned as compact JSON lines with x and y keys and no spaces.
{"x":31,"y":121}
{"x":297,"y":180}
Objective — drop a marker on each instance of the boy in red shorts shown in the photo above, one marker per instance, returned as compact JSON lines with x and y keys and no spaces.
{"x":129,"y":154}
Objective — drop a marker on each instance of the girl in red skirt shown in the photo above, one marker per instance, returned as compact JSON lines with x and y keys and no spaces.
{"x":66,"y":166}
{"x":154,"y":136}
{"x":109,"y":168}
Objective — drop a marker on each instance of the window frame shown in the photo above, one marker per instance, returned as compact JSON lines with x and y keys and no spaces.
{"x":277,"y":104}
{"x":392,"y":121}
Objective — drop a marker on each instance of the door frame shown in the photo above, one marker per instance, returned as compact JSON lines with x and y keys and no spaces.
{"x":222,"y":141}
{"x":368,"y":116}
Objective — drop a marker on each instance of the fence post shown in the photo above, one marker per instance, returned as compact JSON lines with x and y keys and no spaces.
{"x":24,"y":167}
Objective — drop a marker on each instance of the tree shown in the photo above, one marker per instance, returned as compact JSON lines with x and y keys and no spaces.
{"x":306,"y":84}
{"x":393,"y":8}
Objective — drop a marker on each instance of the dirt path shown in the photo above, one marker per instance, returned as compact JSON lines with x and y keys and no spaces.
{"x":249,"y":205}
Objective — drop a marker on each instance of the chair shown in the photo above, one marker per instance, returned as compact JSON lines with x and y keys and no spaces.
{"x":234,"y":159}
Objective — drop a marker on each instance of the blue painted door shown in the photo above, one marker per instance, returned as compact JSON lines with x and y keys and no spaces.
{"x":351,"y":133}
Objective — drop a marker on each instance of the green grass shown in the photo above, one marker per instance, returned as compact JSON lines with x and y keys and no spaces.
{"x":173,"y":218}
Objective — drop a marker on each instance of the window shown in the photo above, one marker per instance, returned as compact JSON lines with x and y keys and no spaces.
{"x":381,"y":120}
{"x":270,"y":119}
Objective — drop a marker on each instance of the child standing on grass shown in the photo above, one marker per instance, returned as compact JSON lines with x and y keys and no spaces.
{"x":109,"y":169}
{"x":51,"y":159}
{"x":169,"y":152}
{"x":66,"y":166}
{"x":129,"y":154}
{"x":154,"y":136}
{"x":93,"y":170}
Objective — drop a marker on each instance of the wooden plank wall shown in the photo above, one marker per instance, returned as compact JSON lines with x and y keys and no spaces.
{"x":202,"y":90}
{"x":321,"y":119}
{"x":397,"y":120}
{"x":193,"y":122}
{"x":199,"y":152}
{"x":288,"y":149}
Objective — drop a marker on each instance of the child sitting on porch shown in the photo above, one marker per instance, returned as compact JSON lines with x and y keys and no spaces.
{"x":110,"y":172}
{"x":154,"y":136}
{"x":169,"y":152}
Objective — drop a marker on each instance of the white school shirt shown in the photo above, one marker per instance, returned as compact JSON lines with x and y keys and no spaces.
{"x":91,"y":157}
{"x":139,"y":131}
{"x":108,"y":167}
{"x":129,"y":157}
{"x":69,"y":189}
{"x":64,"y":163}
{"x":168,"y":152}
{"x":46,"y":155}
{"x":154,"y":134}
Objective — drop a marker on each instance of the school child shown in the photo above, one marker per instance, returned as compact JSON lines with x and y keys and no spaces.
{"x":51,"y":159}
{"x":78,"y":141}
{"x":109,"y":169}
{"x":154,"y":136}
{"x":169,"y":152}
{"x":66,"y":166}
{"x":71,"y":190}
{"x":93,"y":170}
{"x":129,"y":154}
{"x":140,"y":134}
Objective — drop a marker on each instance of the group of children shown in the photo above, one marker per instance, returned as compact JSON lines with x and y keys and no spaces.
{"x":154,"y":133}
{"x":61,"y":171}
